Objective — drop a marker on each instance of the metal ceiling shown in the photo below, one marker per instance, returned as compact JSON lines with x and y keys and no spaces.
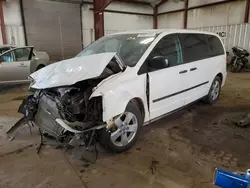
{"x":149,"y":2}
{"x":153,"y":2}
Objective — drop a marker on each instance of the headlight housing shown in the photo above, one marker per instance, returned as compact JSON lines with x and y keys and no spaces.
{"x":32,"y":82}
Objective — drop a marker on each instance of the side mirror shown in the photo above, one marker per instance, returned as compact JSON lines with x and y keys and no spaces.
{"x":158,"y":62}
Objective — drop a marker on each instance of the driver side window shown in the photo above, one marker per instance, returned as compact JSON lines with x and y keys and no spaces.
{"x":17,"y":54}
{"x":168,"y":47}
{"x":8,"y":57}
{"x":22,"y":54}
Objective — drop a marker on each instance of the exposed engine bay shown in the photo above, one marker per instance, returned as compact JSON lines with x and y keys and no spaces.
{"x":67,"y":113}
{"x":73,"y":103}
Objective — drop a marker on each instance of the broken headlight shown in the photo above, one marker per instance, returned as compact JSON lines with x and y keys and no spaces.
{"x":32,"y":82}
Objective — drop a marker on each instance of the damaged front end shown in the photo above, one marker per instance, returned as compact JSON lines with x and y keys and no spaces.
{"x":68,"y":113}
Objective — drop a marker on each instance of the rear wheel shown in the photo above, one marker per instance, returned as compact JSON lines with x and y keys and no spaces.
{"x":214,"y":91}
{"x":125,"y":132}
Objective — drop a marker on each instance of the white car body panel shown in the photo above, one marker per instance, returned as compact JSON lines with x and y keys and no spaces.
{"x":162,"y":96}
{"x":117,"y":90}
{"x":13,"y":71}
{"x":70,"y":71}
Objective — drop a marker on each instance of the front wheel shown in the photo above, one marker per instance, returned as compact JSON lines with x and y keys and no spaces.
{"x":125,"y":132}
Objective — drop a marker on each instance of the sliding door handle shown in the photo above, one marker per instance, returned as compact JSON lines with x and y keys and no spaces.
{"x":182,"y":72}
{"x":193,"y":69}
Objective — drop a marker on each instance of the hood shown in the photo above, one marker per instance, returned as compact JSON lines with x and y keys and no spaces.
{"x":70,"y":71}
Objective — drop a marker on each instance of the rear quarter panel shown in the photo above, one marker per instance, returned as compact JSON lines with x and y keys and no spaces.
{"x":40,"y":58}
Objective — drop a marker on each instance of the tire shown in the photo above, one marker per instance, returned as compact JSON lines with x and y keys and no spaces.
{"x":40,"y":67}
{"x":107,"y":139}
{"x":214,"y":94}
{"x":237,"y":68}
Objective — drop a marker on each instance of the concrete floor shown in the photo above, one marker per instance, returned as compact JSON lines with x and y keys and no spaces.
{"x":188,"y":145}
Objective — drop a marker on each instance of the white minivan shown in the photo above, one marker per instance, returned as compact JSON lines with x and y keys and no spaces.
{"x":123,"y":81}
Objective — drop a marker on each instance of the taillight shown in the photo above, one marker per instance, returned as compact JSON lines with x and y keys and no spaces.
{"x":227,"y":58}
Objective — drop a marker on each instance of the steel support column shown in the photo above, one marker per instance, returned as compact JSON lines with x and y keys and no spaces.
{"x":185,"y":14}
{"x":246,"y":18}
{"x":3,"y":28}
{"x":99,"y":6}
{"x":155,"y":17}
{"x":23,"y":22}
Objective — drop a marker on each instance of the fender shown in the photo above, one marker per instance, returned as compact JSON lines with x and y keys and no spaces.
{"x":117,"y":92}
{"x":115,"y":103}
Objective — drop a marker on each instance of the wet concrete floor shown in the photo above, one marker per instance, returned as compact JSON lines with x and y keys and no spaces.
{"x":188,"y":146}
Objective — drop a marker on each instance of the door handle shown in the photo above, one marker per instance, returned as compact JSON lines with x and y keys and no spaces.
{"x":23,"y":66}
{"x":182,"y":72}
{"x":193,"y":69}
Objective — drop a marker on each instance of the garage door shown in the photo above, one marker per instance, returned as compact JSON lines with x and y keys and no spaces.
{"x":53,"y":27}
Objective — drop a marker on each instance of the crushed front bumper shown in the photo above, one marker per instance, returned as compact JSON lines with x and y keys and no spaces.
{"x":42,"y":111}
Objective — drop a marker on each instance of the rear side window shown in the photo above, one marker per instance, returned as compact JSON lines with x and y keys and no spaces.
{"x":194,"y":47}
{"x":215,"y":45}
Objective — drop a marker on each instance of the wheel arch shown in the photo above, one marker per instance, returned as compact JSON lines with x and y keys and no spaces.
{"x":40,"y":66}
{"x":139,"y":103}
{"x":114,"y":105}
{"x":220,"y":75}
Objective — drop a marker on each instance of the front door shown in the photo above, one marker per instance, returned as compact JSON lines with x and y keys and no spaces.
{"x":15,"y":65}
{"x":166,"y":83}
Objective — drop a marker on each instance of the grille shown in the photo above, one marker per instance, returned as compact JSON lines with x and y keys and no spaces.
{"x":46,"y":115}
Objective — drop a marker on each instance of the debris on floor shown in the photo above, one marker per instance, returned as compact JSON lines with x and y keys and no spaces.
{"x":187,"y":157}
{"x":243,"y":122}
{"x":153,"y":165}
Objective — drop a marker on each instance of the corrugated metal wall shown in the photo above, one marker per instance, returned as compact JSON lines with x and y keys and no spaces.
{"x":232,"y":35}
{"x":222,"y":14}
{"x":13,"y":23}
{"x":229,"y":13}
{"x":170,"y":6}
{"x":115,"y":22}
{"x":14,"y":35}
{"x":87,"y":24}
{"x":193,"y":3}
{"x":53,"y":27}
{"x":171,"y":20}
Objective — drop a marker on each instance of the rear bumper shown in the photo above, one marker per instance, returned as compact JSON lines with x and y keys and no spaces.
{"x":224,"y":78}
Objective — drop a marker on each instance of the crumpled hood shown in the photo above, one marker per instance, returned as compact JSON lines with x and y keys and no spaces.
{"x":70,"y":71}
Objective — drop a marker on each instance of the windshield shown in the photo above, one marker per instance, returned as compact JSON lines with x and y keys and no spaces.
{"x":130,"y":47}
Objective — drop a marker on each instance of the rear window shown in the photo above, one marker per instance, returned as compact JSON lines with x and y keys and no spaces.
{"x":215,"y":45}
{"x":194,"y":47}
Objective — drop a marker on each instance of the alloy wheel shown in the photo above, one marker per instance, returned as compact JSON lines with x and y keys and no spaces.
{"x":125,"y":130}
{"x":215,"y":90}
